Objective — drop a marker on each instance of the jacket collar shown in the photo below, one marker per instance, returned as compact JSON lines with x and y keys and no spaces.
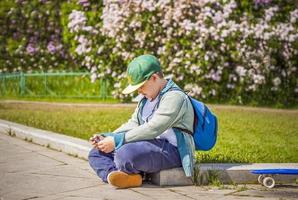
{"x":170,"y":84}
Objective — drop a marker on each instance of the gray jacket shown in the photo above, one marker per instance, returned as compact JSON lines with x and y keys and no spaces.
{"x":174,"y":111}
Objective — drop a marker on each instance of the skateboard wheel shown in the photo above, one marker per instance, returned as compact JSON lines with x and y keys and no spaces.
{"x":260,"y":179}
{"x":269,"y":182}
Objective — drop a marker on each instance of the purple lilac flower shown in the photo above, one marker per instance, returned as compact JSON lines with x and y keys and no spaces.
{"x":216,"y":77}
{"x":33,"y":40}
{"x":53,"y":48}
{"x":31,"y":49}
{"x":84,"y":3}
{"x":258,"y":2}
{"x":77,"y":20}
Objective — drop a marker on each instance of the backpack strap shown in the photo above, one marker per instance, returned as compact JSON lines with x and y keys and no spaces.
{"x":195,"y":117}
{"x":178,"y":89}
{"x":140,"y":108}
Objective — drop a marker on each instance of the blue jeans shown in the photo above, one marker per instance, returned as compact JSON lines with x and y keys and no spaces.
{"x":137,"y":157}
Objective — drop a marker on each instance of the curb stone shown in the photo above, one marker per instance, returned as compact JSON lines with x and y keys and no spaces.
{"x":70,"y":145}
{"x":226,"y":173}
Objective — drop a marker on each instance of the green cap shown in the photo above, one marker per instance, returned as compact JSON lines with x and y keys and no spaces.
{"x":140,"y":70}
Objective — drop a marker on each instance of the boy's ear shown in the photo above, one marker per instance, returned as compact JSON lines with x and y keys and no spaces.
{"x":154,"y":76}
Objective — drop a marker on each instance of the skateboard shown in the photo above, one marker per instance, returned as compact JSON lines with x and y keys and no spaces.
{"x":266,"y":176}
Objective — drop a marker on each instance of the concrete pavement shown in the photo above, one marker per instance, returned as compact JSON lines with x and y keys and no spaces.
{"x":224,"y":172}
{"x":30,"y":171}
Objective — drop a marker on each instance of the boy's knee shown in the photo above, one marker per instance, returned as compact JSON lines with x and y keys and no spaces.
{"x":93,"y":152}
{"x":125,"y":157}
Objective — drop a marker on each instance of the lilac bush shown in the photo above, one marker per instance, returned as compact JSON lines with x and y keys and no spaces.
{"x":31,"y":39}
{"x":216,"y":50}
{"x":219,"y":51}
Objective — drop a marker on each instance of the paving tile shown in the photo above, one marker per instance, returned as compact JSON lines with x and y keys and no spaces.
{"x":281,"y":192}
{"x":63,"y":157}
{"x":18,"y":195}
{"x":161,"y":193}
{"x":29,"y":171}
{"x":65,"y":171}
{"x":79,"y":198}
{"x":106,"y":191}
{"x":27,"y":163}
{"x":44,"y":185}
{"x":51,"y":197}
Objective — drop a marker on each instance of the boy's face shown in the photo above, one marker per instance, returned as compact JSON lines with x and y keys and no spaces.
{"x":151,"y":88}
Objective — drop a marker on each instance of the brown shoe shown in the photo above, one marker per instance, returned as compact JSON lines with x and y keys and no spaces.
{"x":123,"y":180}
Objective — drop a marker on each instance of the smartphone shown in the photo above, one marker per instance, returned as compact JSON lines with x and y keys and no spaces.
{"x":97,"y":138}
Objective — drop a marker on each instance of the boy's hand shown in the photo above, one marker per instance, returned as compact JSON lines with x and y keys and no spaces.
{"x":106,"y":145}
{"x":95,"y":139}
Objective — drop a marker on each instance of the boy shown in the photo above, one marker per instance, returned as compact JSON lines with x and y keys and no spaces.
{"x":155,"y":138}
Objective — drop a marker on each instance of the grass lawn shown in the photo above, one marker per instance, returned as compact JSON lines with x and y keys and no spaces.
{"x":245,"y":134}
{"x":64,"y":100}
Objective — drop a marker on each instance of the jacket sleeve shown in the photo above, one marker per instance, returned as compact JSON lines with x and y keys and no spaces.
{"x":168,"y":113}
{"x":130,"y":124}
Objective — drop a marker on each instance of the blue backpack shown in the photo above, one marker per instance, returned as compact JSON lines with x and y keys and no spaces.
{"x":205,"y":125}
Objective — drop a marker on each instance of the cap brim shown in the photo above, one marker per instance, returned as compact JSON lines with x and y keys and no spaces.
{"x":131,"y":88}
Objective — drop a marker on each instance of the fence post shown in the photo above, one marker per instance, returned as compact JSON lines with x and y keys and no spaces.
{"x":103,"y":89}
{"x":45,"y":83}
{"x":22,"y":84}
{"x":3,"y":85}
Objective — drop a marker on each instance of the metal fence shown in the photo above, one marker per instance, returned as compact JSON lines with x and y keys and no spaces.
{"x":56,"y":84}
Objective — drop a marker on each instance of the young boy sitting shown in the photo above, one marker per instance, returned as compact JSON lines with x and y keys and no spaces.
{"x":155,"y":138}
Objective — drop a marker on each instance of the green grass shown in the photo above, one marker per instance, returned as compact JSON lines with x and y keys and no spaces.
{"x":255,"y":135}
{"x":63,"y":100}
{"x":77,"y":121}
{"x":245,"y":134}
